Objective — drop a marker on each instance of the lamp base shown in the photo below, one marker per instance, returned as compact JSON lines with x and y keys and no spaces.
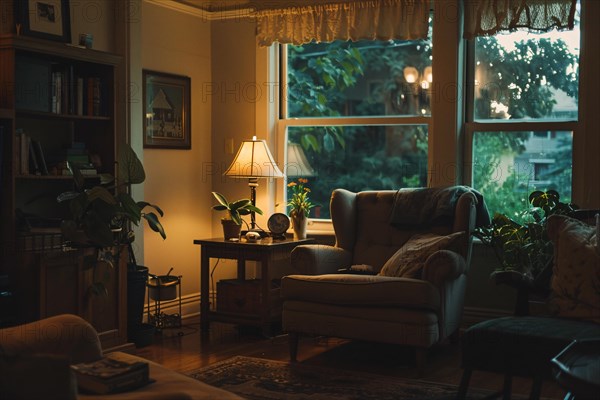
{"x":261,"y":232}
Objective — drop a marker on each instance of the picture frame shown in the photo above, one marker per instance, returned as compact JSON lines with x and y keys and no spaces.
{"x":166,"y":109}
{"x":45,"y":19}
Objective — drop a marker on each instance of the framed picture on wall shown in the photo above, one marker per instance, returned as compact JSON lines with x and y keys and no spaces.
{"x":46,"y":19}
{"x":167,"y":120}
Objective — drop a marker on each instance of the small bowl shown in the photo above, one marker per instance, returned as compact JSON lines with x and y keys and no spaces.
{"x":163,"y":287}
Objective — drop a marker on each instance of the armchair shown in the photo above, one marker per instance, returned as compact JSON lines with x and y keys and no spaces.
{"x":417,"y":309}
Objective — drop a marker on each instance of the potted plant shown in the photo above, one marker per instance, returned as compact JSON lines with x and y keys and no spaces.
{"x":523,"y":248}
{"x":300,"y":206}
{"x":102,"y":216}
{"x":232,"y":224}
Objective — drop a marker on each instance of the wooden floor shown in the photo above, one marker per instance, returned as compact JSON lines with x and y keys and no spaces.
{"x":186,"y":350}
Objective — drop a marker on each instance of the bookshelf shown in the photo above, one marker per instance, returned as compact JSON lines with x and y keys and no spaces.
{"x":58,"y":106}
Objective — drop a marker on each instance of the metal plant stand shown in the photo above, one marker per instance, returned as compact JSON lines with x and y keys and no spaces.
{"x":164,"y":289}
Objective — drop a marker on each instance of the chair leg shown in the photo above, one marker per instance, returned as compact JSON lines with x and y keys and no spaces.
{"x":454,"y":338}
{"x":536,"y":388}
{"x":293,"y":343}
{"x":507,"y":387}
{"x":464,"y":384}
{"x":421,"y":360}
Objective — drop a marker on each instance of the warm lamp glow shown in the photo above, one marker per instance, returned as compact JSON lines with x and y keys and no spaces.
{"x":253,"y":160}
{"x":297,"y":164}
{"x":411,"y":74}
{"x":428,"y":74}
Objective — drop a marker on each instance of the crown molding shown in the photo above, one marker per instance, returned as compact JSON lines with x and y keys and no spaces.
{"x":204,"y":14}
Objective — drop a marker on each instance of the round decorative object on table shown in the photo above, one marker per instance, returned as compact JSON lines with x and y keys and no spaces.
{"x":278,"y":224}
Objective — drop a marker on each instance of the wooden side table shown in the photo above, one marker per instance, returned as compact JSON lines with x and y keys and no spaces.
{"x":266,"y":251}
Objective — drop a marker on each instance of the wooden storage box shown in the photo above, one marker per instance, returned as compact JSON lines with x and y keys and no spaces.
{"x":243,"y":296}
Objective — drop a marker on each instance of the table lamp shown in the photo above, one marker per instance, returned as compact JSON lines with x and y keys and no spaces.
{"x":253,"y":160}
{"x":297,"y":164}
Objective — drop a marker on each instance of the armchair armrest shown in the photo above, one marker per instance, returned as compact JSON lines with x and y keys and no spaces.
{"x":316,"y":259}
{"x":443,"y":266}
{"x":64,"y":335}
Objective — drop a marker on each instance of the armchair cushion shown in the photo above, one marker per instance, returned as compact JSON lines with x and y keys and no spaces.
{"x":361,"y":290}
{"x":409,"y":260}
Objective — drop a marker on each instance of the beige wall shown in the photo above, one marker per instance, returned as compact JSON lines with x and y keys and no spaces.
{"x":234,"y":97}
{"x":95,"y":17}
{"x":179,"y":43}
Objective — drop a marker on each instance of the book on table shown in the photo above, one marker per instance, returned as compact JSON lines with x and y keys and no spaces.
{"x":108,"y":375}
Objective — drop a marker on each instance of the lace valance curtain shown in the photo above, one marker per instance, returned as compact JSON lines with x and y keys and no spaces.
{"x":343,"y":20}
{"x":487,"y":17}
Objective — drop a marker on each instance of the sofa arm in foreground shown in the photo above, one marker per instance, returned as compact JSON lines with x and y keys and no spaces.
{"x":64,"y":335}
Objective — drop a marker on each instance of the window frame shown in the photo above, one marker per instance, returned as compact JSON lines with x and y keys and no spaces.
{"x":471,"y":125}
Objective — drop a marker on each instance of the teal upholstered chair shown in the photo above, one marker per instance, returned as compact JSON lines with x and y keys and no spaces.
{"x":524,"y":345}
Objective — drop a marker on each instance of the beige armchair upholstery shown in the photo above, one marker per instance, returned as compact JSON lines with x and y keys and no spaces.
{"x":407,"y":311}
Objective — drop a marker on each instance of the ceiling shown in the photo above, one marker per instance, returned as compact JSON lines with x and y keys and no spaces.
{"x":233,"y":5}
{"x":220,"y":5}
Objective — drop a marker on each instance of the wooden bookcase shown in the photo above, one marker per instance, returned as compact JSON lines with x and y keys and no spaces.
{"x":57,"y":104}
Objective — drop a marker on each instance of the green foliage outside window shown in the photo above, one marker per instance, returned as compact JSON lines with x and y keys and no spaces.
{"x":358,"y":157}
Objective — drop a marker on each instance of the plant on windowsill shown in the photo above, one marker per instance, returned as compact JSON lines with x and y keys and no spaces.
{"x":232,"y":224}
{"x":524,"y":249}
{"x":300,"y":206}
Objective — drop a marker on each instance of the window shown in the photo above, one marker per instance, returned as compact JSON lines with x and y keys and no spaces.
{"x":359,"y":113}
{"x":523,"y":116}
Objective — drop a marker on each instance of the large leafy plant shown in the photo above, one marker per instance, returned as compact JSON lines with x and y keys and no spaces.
{"x":102,"y":215}
{"x":524,"y":248}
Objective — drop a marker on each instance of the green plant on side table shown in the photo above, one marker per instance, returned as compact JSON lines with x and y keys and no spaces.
{"x":232,"y":224}
{"x":523,"y":248}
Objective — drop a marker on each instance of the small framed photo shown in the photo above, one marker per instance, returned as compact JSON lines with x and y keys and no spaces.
{"x":46,"y":19}
{"x":167,"y":120}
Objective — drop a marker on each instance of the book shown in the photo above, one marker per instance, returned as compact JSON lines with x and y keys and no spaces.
{"x":34,"y":167}
{"x":109,"y":375}
{"x":24,"y":152}
{"x":79,"y":96}
{"x":39,"y":155}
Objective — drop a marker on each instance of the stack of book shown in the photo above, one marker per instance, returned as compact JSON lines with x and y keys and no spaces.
{"x":29,"y":155}
{"x":108,"y":375}
{"x":74,"y":94}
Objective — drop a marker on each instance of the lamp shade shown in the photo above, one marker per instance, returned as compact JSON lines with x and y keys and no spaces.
{"x":253,"y":160}
{"x":297,"y":164}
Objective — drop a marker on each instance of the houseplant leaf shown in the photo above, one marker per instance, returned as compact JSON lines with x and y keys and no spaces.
{"x":131,"y":170}
{"x":155,"y":224}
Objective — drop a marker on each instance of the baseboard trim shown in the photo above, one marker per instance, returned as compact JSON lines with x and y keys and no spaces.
{"x":190,"y":306}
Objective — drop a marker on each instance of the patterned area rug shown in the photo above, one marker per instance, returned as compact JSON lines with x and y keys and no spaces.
{"x":260,"y":379}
